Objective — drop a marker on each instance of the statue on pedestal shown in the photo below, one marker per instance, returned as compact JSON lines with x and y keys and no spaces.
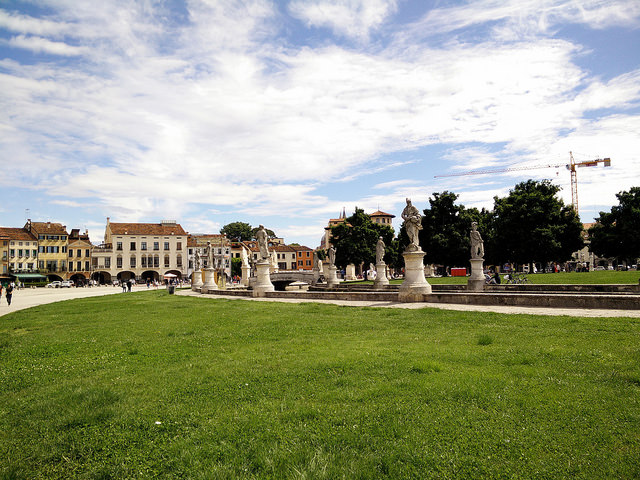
{"x":332,"y":256}
{"x":477,"y":245}
{"x":196,"y":260}
{"x":245,"y":257}
{"x":412,"y":224}
{"x":380,"y":251}
{"x":261,"y":236}
{"x":208,"y":253}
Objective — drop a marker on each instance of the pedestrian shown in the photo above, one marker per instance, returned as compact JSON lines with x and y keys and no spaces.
{"x":124,"y":286}
{"x":0,"y":291}
{"x":129,"y":284}
{"x":9,"y":293}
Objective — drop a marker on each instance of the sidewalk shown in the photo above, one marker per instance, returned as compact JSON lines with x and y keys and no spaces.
{"x":574,"y":312}
{"x":31,"y":297}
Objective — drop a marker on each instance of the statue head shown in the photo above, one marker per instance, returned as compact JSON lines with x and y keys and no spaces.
{"x":408,"y":201}
{"x":474,"y":225}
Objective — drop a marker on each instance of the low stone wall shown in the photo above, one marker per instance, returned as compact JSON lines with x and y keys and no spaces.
{"x":623,"y":300}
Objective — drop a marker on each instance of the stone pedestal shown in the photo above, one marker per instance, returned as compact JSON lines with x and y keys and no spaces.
{"x":350,"y":273}
{"x":381,"y":280}
{"x":316,"y":276}
{"x":331,"y":276}
{"x":263,"y":279}
{"x":414,"y":285}
{"x":246,"y":273}
{"x":209,"y":280}
{"x":476,"y":282}
{"x":196,"y":280}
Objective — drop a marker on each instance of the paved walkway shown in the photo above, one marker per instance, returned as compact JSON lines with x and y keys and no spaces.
{"x":32,"y":297}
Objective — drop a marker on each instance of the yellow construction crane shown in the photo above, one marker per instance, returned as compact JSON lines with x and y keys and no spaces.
{"x":571,"y":166}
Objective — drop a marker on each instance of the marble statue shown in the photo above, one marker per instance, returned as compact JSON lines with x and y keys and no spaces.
{"x":477,"y":245}
{"x":261,"y":236}
{"x":380,"y":251}
{"x":208,"y":252}
{"x":316,"y":260}
{"x":412,"y":224}
{"x":196,"y":261}
{"x":245,"y":257}
{"x":332,"y":255}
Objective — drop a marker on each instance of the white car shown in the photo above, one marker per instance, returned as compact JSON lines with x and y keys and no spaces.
{"x":54,"y":284}
{"x":66,"y":283}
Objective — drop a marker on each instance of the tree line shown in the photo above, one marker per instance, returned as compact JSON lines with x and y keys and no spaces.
{"x":531,"y":224}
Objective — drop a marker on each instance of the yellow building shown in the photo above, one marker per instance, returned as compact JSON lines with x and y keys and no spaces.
{"x":52,"y":247}
{"x":79,"y":257}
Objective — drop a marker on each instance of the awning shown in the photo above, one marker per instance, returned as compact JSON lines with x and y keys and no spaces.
{"x":29,"y":277}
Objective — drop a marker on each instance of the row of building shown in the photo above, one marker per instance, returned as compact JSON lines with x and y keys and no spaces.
{"x":46,"y":251}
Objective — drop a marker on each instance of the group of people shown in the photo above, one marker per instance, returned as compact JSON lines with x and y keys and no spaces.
{"x":8,"y":291}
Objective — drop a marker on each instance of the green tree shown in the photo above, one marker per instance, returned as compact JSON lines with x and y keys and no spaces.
{"x":355,"y":239}
{"x":236,"y":267}
{"x":237,"y":230}
{"x":616,"y":234}
{"x":532,"y":224}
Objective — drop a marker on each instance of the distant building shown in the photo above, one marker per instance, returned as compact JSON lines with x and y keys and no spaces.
{"x":141,"y":251}
{"x":18,"y":251}
{"x":52,"y":247}
{"x":221,"y":251}
{"x":382,"y":218}
{"x":304,"y":257}
{"x":79,"y":260}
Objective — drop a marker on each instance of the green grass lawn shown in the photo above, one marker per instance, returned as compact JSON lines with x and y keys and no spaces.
{"x":155,"y":385}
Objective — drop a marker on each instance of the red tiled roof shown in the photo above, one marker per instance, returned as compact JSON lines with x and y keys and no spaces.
{"x":146,"y":229}
{"x":48,"y":228}
{"x":381,"y":214}
{"x":17,"y":234}
{"x":302,"y":248}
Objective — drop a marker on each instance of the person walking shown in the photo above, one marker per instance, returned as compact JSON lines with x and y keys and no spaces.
{"x":1,"y":292}
{"x":9,"y":293}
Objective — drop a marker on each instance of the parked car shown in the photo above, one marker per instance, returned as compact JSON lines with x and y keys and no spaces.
{"x":66,"y":283}
{"x":54,"y":284}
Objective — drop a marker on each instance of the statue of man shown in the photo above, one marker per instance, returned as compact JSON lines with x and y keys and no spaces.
{"x":412,"y":223}
{"x":316,"y":260}
{"x":208,"y":253}
{"x":245,"y":257}
{"x":261,"y":236}
{"x":332,"y":256}
{"x":196,"y":261}
{"x":477,"y":245}
{"x":380,"y":251}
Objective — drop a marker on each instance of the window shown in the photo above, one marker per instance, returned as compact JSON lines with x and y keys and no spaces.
{"x":179,"y":261}
{"x":166,"y":245}
{"x":41,"y":264}
{"x":63,"y":237}
{"x":12,"y":252}
{"x":156,"y":245}
{"x":70,"y":253}
{"x":64,"y":249}
{"x":107,"y":262}
{"x":143,"y":262}
{"x":19,"y":252}
{"x":41,"y":249}
{"x":300,"y":263}
{"x":34,"y":253}
{"x":30,"y":266}
{"x":86,"y":265}
{"x":132,"y":246}
{"x":79,"y":267}
{"x":132,"y":262}
{"x":118,"y":245}
{"x":41,"y":237}
{"x":166,"y":260}
{"x":119,"y":262}
{"x":156,"y":261}
{"x":179,"y":246}
{"x":143,"y":245}
{"x":308,"y":263}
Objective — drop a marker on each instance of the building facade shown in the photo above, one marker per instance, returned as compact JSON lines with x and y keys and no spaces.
{"x":140,"y":251}
{"x":52,"y":241}
{"x":19,"y":251}
{"x":221,"y":246}
{"x":79,"y":261}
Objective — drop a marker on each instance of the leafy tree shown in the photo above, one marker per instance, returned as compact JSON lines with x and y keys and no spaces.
{"x":445,"y":230}
{"x":616,"y":234}
{"x":239,"y":230}
{"x":532,"y":224}
{"x":355,"y":239}
{"x":236,"y":267}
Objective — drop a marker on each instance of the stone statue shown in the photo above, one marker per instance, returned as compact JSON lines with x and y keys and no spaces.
{"x":412,"y":224}
{"x":261,"y":236}
{"x":332,"y":256}
{"x":274,"y":259}
{"x":477,"y":245}
{"x":208,"y":252}
{"x":316,"y":260}
{"x":245,"y":257}
{"x":380,"y":251}
{"x":196,"y":261}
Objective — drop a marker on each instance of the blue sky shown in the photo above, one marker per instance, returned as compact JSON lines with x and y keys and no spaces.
{"x":284,"y":112}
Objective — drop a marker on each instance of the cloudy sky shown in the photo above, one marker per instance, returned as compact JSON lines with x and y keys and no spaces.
{"x":284,"y":112}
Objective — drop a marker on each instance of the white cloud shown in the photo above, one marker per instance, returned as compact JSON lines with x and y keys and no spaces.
{"x":351,"y":18}
{"x":42,"y":45}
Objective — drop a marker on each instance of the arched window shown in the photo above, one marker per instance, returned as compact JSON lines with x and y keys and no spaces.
{"x":156,"y":261}
{"x":166,"y":261}
{"x":179,"y":261}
